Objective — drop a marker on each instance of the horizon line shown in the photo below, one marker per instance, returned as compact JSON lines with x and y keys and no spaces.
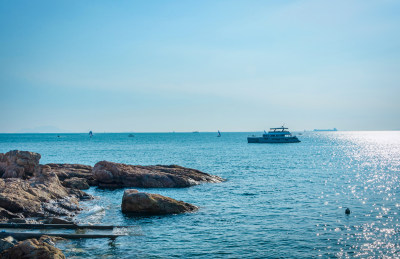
{"x":140,"y":132}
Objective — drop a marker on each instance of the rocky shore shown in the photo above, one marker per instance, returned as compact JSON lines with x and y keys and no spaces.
{"x":28,"y":189}
{"x":34,"y":193}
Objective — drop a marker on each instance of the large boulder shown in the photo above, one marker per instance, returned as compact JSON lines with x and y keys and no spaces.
{"x":152,"y":204}
{"x":109,"y":174}
{"x":18,"y":164}
{"x":33,"y":248}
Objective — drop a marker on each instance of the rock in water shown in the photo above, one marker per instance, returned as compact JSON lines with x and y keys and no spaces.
{"x":32,"y":248}
{"x":109,"y":174}
{"x":152,"y":204}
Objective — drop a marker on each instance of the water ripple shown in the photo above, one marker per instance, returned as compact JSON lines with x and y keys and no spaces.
{"x":279,"y":200}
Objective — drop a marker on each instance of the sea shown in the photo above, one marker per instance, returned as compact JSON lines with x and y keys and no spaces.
{"x":278,"y":200}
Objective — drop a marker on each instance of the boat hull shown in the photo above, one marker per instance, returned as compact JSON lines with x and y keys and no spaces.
{"x":272,"y":140}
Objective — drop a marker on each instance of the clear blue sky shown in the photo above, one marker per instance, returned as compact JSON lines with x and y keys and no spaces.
{"x":120,"y":66}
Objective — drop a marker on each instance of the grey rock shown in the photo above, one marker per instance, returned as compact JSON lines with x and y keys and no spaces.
{"x":153,"y":204}
{"x":109,"y":174}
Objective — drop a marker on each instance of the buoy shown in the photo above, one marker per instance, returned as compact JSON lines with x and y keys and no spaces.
{"x":347,"y":211}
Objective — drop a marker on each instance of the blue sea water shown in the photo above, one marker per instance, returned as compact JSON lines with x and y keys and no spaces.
{"x":279,"y":200}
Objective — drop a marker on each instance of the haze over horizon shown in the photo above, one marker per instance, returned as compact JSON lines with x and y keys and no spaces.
{"x":55,"y":130}
{"x":212,"y":65}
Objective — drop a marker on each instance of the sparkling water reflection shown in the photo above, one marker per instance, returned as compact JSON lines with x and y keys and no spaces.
{"x":279,"y":200}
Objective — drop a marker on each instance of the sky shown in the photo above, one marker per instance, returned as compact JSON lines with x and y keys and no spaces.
{"x":162,"y":66}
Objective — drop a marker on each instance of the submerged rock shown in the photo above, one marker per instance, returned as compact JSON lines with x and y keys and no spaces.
{"x":153,"y":204}
{"x":33,"y":248}
{"x":109,"y":174}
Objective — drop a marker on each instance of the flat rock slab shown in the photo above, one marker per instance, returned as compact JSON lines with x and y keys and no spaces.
{"x":117,"y":175}
{"x":153,"y":204}
{"x":73,"y":171}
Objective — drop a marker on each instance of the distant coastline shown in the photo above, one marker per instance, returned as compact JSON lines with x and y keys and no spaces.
{"x":334,"y":129}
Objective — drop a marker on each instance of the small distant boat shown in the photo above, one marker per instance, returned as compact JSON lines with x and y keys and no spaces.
{"x":274,"y":135}
{"x":195,"y":132}
{"x":131,"y":135}
{"x":90,"y":134}
{"x":334,"y":129}
{"x":219,"y":134}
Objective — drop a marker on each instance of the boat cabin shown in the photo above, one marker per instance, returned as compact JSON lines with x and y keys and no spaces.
{"x":278,"y":132}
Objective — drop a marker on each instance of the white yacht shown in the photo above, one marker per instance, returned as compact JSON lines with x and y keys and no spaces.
{"x":274,"y":135}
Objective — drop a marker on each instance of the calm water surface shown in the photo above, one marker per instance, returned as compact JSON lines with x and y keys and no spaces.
{"x":278,"y":201}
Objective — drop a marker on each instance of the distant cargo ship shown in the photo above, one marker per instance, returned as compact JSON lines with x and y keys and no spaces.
{"x":334,"y":129}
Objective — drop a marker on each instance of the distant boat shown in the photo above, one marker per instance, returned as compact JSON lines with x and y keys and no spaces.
{"x":219,"y":134}
{"x":131,"y":135}
{"x":334,"y":129}
{"x":195,"y":132}
{"x":274,"y":135}
{"x":90,"y":134}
